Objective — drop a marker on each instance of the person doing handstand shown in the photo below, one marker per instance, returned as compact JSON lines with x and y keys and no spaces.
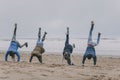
{"x":90,"y":50}
{"x":68,"y":49}
{"x":38,"y":50}
{"x":13,"y":48}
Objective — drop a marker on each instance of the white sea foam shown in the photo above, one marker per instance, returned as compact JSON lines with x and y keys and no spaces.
{"x":106,"y":46}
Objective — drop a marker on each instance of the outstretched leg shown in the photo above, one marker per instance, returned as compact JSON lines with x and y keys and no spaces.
{"x":14,"y":34}
{"x":43,"y":38}
{"x":67,"y":37}
{"x":98,"y":39}
{"x":25,"y":44}
{"x":90,"y":33}
{"x":39,"y":33}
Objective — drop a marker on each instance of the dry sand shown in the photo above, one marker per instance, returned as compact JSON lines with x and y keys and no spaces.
{"x":107,"y":68}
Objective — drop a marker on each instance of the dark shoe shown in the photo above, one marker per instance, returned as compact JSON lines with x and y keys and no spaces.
{"x":26,"y":44}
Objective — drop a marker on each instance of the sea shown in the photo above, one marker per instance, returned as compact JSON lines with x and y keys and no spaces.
{"x":107,"y":46}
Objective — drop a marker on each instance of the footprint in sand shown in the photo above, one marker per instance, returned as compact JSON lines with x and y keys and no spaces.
{"x":6,"y":72}
{"x":96,"y":77}
{"x":4,"y":77}
{"x":83,"y":74}
{"x":55,"y":65}
{"x":44,"y":75}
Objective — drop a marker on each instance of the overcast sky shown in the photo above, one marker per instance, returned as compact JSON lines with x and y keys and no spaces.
{"x":54,"y":16}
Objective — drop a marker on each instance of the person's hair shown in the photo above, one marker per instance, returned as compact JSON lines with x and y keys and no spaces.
{"x":89,"y":56}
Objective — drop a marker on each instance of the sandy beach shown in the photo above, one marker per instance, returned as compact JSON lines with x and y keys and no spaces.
{"x":107,"y":68}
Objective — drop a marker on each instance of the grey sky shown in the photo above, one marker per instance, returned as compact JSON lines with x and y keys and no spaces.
{"x":55,"y":15}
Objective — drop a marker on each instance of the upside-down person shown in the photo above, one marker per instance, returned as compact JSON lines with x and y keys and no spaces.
{"x":68,"y":49}
{"x":13,"y":48}
{"x":90,"y":50}
{"x":38,"y":50}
